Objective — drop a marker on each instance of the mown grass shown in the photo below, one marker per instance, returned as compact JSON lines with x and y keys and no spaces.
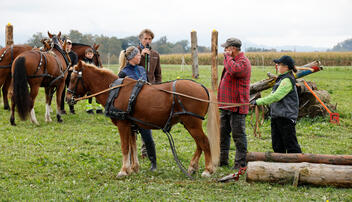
{"x":80,"y":158}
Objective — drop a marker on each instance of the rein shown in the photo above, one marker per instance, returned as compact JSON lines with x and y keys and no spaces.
{"x":167,"y":91}
{"x":101,"y":92}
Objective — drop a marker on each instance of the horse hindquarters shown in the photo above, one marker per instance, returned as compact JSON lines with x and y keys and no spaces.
{"x":20,"y":96}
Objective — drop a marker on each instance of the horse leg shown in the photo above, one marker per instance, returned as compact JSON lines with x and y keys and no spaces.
{"x":33,"y":94}
{"x":59,"y":90}
{"x":5,"y":89}
{"x":13,"y":104}
{"x":194,"y":127}
{"x":48,"y":98}
{"x":134,"y":155}
{"x":125,"y":134}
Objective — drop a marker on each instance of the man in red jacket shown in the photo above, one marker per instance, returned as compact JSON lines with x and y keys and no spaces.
{"x":234,"y":88}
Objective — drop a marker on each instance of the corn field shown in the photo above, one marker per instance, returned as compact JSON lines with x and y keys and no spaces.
{"x":266,"y":58}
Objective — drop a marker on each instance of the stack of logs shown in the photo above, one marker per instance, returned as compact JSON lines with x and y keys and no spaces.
{"x":315,"y":169}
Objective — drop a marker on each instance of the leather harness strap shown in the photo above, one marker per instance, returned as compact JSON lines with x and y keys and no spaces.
{"x":118,"y":114}
{"x":11,"y":61}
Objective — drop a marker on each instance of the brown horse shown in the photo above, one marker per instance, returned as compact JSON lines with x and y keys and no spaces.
{"x":38,"y":69}
{"x":154,"y":107}
{"x":7,"y":56}
{"x":80,"y":49}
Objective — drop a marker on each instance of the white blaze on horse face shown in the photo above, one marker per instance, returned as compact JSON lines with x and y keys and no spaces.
{"x":33,"y":118}
{"x":47,"y":113}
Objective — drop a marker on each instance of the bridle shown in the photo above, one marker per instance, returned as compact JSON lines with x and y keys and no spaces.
{"x":73,"y":92}
{"x":97,"y":56}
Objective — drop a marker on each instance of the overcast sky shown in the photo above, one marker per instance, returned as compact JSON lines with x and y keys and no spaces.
{"x":318,"y":23}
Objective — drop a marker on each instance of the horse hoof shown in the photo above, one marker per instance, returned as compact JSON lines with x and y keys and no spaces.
{"x":206,"y":174}
{"x":58,"y":118}
{"x":191,"y":171}
{"x":6,"y":107}
{"x":121,"y":174}
{"x":35,"y":122}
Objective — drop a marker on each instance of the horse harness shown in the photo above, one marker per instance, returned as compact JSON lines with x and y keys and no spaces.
{"x":2,"y":56}
{"x":118,"y":114}
{"x":46,"y":74}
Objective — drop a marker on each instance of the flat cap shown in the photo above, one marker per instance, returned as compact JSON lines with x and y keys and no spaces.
{"x":232,"y":42}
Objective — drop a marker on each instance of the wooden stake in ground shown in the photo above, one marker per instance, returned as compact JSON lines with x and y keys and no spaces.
{"x":194,"y":48}
{"x":214,"y":60}
{"x":9,"y":35}
{"x":300,"y":173}
{"x":296,"y":158}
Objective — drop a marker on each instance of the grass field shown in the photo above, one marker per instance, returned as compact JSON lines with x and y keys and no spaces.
{"x":80,"y":158}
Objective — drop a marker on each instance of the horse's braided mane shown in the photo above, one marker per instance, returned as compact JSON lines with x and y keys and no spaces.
{"x":102,"y":70}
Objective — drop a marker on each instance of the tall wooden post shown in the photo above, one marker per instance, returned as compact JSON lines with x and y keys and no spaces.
{"x":194,"y":47}
{"x":214,"y":59}
{"x":8,"y":35}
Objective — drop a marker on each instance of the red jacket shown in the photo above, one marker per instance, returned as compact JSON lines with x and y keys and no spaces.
{"x":235,"y":82}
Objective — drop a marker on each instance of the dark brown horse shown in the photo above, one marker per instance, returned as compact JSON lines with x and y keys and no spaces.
{"x":38,"y":69}
{"x":80,"y":49}
{"x":7,"y":56}
{"x":154,"y":107}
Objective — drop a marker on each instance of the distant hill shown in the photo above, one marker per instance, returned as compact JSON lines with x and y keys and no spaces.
{"x":286,"y":48}
{"x":346,"y":45}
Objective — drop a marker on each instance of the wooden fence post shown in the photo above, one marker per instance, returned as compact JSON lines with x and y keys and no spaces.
{"x":194,"y":47}
{"x":8,"y":35}
{"x":214,"y":60}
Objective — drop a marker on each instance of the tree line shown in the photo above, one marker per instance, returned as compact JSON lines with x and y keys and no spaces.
{"x":110,"y":47}
{"x":343,"y":46}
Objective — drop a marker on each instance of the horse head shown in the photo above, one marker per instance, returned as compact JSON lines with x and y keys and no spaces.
{"x":55,"y":39}
{"x":76,"y":86}
{"x":96,"y":58}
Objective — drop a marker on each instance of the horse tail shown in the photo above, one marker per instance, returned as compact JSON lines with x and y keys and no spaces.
{"x":20,"y":88}
{"x":213,"y":127}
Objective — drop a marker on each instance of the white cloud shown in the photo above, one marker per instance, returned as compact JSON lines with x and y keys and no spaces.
{"x":320,"y":23}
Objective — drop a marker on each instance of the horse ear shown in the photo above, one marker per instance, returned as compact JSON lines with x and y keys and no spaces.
{"x":59,"y":35}
{"x":50,"y":35}
{"x":97,"y":46}
{"x":64,"y":46}
{"x":79,"y":65}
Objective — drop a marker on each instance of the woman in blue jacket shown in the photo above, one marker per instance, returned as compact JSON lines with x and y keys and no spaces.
{"x":129,"y":60}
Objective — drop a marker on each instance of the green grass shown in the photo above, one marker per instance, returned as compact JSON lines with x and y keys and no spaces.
{"x":80,"y":158}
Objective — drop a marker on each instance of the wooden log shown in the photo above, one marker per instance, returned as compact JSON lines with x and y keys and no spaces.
{"x":214,"y":60}
{"x":194,"y":48}
{"x":9,"y":35}
{"x":295,"y":158}
{"x":302,"y":71}
{"x":300,"y":173}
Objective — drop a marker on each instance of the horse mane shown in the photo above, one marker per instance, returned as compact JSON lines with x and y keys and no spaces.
{"x":100,"y":70}
{"x":81,"y":44}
